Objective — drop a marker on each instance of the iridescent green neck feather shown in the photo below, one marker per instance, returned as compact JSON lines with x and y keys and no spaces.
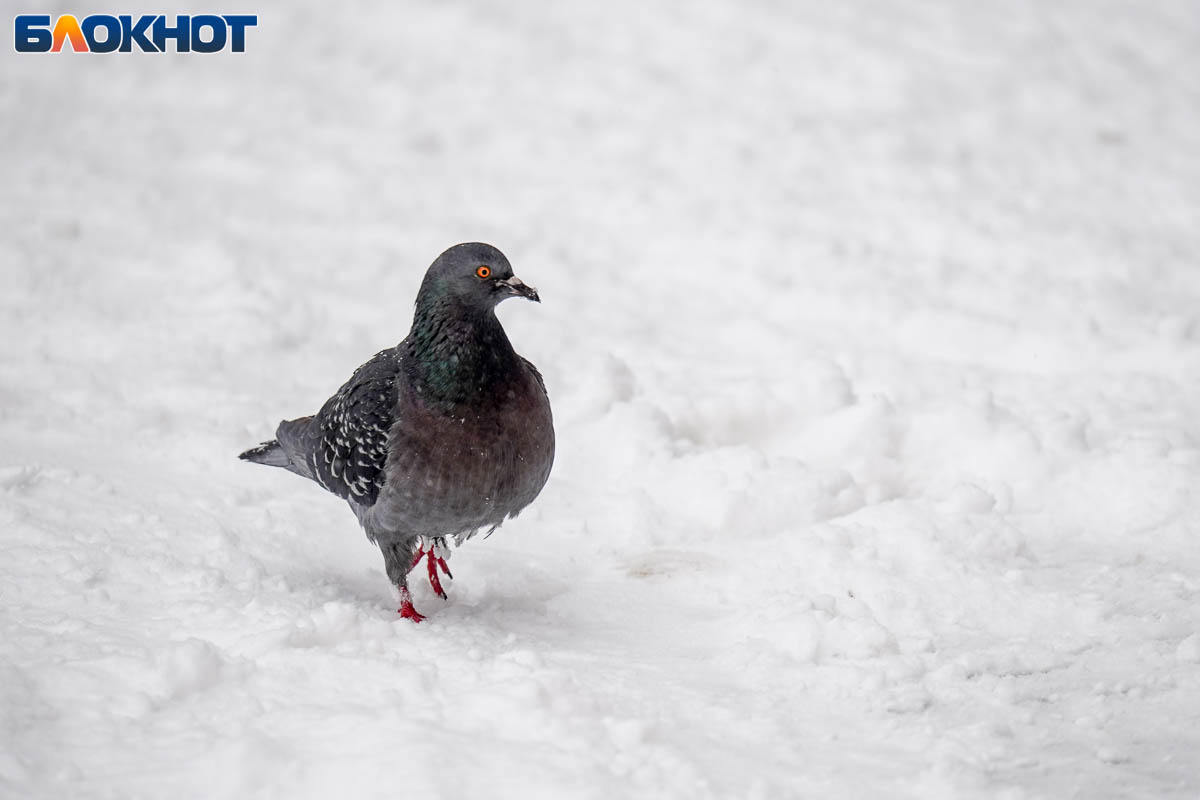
{"x":454,"y":352}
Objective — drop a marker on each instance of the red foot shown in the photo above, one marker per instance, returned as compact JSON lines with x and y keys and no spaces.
{"x":406,"y":607}
{"x":434,"y":562}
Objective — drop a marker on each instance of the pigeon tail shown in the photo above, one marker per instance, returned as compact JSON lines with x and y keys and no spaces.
{"x":270,"y":453}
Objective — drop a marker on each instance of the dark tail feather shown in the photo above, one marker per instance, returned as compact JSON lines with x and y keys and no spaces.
{"x":269,"y":453}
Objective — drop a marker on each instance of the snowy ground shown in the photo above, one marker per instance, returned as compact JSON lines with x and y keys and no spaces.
{"x":873,"y":338}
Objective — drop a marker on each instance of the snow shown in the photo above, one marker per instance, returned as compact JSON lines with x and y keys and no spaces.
{"x":873,"y":337}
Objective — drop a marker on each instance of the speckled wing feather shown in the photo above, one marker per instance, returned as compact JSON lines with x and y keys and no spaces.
{"x":345,"y":445}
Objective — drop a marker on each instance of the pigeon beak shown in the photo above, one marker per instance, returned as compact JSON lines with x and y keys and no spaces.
{"x":518,"y":287}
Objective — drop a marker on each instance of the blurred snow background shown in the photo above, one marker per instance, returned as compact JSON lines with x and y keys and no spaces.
{"x":873,"y":336}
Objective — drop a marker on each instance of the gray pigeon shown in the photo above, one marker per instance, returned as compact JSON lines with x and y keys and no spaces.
{"x":445,"y":434}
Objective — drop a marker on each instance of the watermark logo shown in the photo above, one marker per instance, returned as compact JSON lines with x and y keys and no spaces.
{"x":122,"y":33}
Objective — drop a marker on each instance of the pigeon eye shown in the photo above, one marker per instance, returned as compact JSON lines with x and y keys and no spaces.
{"x":483,"y":271}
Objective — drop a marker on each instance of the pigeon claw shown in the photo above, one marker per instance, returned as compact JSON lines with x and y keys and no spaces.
{"x":434,"y":580}
{"x":406,"y":606}
{"x":434,"y":563}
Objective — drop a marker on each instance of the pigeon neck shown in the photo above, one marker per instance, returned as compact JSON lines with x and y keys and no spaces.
{"x":454,"y":353}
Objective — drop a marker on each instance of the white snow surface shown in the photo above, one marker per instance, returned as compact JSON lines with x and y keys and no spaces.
{"x":872,"y":332}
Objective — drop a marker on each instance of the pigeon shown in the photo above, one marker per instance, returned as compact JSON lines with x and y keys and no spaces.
{"x":443,"y":435}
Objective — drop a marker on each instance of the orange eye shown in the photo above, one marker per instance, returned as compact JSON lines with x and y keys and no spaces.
{"x":483,"y":271}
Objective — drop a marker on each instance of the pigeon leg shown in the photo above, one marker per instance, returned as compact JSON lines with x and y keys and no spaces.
{"x":434,"y":562}
{"x":406,"y":606}
{"x":396,"y":555}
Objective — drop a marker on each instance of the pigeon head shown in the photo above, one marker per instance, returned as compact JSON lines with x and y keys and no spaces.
{"x":475,"y":275}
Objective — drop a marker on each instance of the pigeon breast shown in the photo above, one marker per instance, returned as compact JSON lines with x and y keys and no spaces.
{"x":454,"y":468}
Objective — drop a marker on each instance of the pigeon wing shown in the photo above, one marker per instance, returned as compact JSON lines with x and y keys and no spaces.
{"x":347,"y":440}
{"x":529,"y":365}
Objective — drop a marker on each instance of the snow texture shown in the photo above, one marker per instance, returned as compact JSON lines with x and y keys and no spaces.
{"x":873,"y":336}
